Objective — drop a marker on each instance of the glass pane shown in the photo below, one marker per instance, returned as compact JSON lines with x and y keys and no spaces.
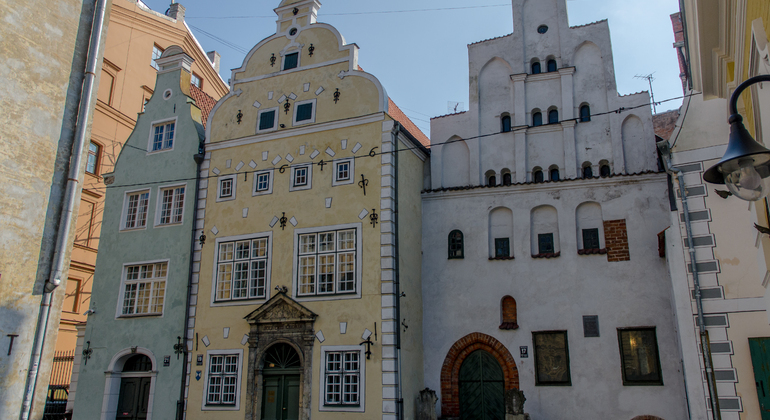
{"x":502,"y":247}
{"x":346,"y":240}
{"x":545,"y":243}
{"x":590,"y":238}
{"x":266,"y":120}
{"x":259,"y":248}
{"x":307,"y":244}
{"x":290,"y":61}
{"x":640,"y":356}
{"x":326,"y":242}
{"x":304,"y":112}
{"x":551,"y":358}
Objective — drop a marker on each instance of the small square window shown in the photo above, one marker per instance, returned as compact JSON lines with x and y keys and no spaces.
{"x":263,"y":181}
{"x":545,"y":243}
{"x":591,"y":239}
{"x":343,"y":172}
{"x":551,"y":358}
{"x":196,"y":81}
{"x":301,"y":178}
{"x":135,"y":209}
{"x":162,"y":136}
{"x":639,"y":354}
{"x":291,"y":61}
{"x":93,"y":158}
{"x":170,"y":206}
{"x":304,"y":112}
{"x":456,"y":244}
{"x":226,"y":188}
{"x":156,"y":53}
{"x":268,"y":120}
{"x":502,"y":247}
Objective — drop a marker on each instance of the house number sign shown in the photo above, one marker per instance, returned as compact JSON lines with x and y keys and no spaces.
{"x":524,"y":352}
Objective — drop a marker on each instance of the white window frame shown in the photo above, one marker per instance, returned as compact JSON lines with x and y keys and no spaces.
{"x":194,"y":76}
{"x":351,"y":172}
{"x":360,"y":408}
{"x":275,"y":120}
{"x":151,"y":137}
{"x":155,"y":47}
{"x":122,"y":291}
{"x":124,"y":213}
{"x":269,"y":189}
{"x":299,"y":59}
{"x":159,"y":205}
{"x":294,"y":121}
{"x":309,"y":178}
{"x":268,"y":268}
{"x":222,"y":407}
{"x":358,"y":259}
{"x":233,"y":188}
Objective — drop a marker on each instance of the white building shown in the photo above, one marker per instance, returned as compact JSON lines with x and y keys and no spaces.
{"x":541,"y":260}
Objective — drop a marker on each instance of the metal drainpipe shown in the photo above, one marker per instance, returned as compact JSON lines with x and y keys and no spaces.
{"x":397,"y":284}
{"x":65,"y":220}
{"x":704,"y":336}
{"x":198,"y":160}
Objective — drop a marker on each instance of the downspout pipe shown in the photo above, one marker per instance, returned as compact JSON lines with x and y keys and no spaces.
{"x":68,"y":206}
{"x":199,"y":157}
{"x":704,"y":337}
{"x":397,"y":283}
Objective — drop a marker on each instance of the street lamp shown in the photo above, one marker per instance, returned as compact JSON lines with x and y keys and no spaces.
{"x":745,"y":166}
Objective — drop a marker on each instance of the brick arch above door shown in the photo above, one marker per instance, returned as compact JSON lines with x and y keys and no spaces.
{"x":450,"y":371}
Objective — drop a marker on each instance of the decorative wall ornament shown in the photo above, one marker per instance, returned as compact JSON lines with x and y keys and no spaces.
{"x":322,"y":164}
{"x":239,"y":115}
{"x":272,"y":60}
{"x":202,"y":238}
{"x":373,"y":218}
{"x":283,"y":220}
{"x":295,"y":11}
{"x":87,"y":352}
{"x":178,"y":347}
{"x":286,"y":106}
{"x":337,"y":95}
{"x":369,"y":345}
{"x":363,"y":183}
{"x":310,"y":50}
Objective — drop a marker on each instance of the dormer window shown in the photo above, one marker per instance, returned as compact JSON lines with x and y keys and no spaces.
{"x":291,"y":61}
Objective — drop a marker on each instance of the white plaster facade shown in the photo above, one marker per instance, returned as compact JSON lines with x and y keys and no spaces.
{"x":551,"y":293}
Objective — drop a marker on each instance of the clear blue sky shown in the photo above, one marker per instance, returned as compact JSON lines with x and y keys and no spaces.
{"x":421,"y":57}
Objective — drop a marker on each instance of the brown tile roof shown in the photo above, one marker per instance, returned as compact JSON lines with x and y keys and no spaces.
{"x":664,"y":123}
{"x":203,"y":101}
{"x":398,"y":115}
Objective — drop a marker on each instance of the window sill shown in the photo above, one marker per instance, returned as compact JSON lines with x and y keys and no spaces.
{"x":500,"y":258}
{"x":509,"y":326}
{"x":254,"y":299}
{"x":133,"y":229}
{"x":455,"y":258}
{"x":126,"y":316}
{"x":592,"y":251}
{"x":342,"y":405}
{"x":547,"y":255}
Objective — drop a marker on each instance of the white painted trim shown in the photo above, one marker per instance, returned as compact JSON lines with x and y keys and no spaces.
{"x":124,"y":213}
{"x":238,"y":389}
{"x":122,"y":291}
{"x":233,"y":188}
{"x":309,"y":184}
{"x":361,"y":379}
{"x":359,"y":261}
{"x":294,"y":121}
{"x":275,"y":120}
{"x":351,"y":172}
{"x":297,"y":50}
{"x":269,"y":190}
{"x":316,"y":128}
{"x":159,"y":203}
{"x":239,"y":302}
{"x":163,"y":121}
{"x":284,"y":72}
{"x":113,"y":375}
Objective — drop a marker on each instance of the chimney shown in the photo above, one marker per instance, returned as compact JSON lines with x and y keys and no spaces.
{"x":214,"y":58}
{"x":176,"y":11}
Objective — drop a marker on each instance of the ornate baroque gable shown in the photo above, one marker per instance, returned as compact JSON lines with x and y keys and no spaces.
{"x":280,"y":308}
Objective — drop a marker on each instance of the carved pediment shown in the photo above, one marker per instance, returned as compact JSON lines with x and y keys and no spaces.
{"x":280,"y":308}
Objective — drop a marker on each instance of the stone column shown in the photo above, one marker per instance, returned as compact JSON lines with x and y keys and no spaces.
{"x":519,"y":99}
{"x":567,"y":93}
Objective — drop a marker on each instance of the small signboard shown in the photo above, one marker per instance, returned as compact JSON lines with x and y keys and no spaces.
{"x":166,"y":360}
{"x":524,"y":352}
{"x":199,"y":360}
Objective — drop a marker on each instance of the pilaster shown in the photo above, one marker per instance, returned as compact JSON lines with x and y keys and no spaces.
{"x":570,"y":153}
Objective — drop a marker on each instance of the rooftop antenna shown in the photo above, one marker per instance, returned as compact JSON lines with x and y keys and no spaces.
{"x":649,"y":79}
{"x":454,"y":107}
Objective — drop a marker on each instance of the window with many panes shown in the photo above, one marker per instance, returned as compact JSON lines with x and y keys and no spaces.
{"x":301,"y":177}
{"x":171,"y":204}
{"x":551,"y":358}
{"x":640,"y":359}
{"x":156,"y":53}
{"x":342,"y":378}
{"x":242,"y":269}
{"x":591,"y":239}
{"x":222,"y":386}
{"x":326,"y":262}
{"x":163,"y":136}
{"x":92,"y":164}
{"x":135,"y":209}
{"x":545,"y":243}
{"x":263,"y":183}
{"x":343,"y":172}
{"x":226,"y":189}
{"x":144,"y":289}
{"x":456,"y":248}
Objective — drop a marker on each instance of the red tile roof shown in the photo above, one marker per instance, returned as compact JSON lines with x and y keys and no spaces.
{"x":398,"y":115}
{"x":203,"y":101}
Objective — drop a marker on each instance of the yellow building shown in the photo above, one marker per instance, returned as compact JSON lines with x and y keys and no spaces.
{"x":306,"y":299}
{"x":725,"y":44}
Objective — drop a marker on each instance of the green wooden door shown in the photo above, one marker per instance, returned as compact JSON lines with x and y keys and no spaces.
{"x":481,"y":388}
{"x":760,"y":358}
{"x":280,"y":397}
{"x":133,"y":399}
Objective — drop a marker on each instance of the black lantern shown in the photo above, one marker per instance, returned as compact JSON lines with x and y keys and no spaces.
{"x":745,"y":166}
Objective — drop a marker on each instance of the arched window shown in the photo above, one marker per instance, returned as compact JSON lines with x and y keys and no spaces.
{"x":551,"y":65}
{"x":138,"y":363}
{"x":553,"y":116}
{"x":508,"y":315}
{"x":537,"y":119}
{"x":537,"y":175}
{"x":554,"y":174}
{"x":505,"y":122}
{"x":507,"y":178}
{"x":585,"y":113}
{"x":456,"y":248}
{"x":536,"y":67}
{"x":604,"y":171}
{"x":587,"y":171}
{"x":491,"y":180}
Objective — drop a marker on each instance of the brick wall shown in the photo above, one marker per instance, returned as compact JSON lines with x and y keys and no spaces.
{"x":616,"y":240}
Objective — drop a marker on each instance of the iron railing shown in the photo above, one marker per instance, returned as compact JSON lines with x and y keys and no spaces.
{"x":59,"y":386}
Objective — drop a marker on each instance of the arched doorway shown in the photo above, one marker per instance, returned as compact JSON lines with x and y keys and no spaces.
{"x":135,"y":383}
{"x":281,"y":371}
{"x":481,"y":388}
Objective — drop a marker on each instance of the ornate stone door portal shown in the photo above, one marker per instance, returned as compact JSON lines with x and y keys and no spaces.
{"x":279,"y":321}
